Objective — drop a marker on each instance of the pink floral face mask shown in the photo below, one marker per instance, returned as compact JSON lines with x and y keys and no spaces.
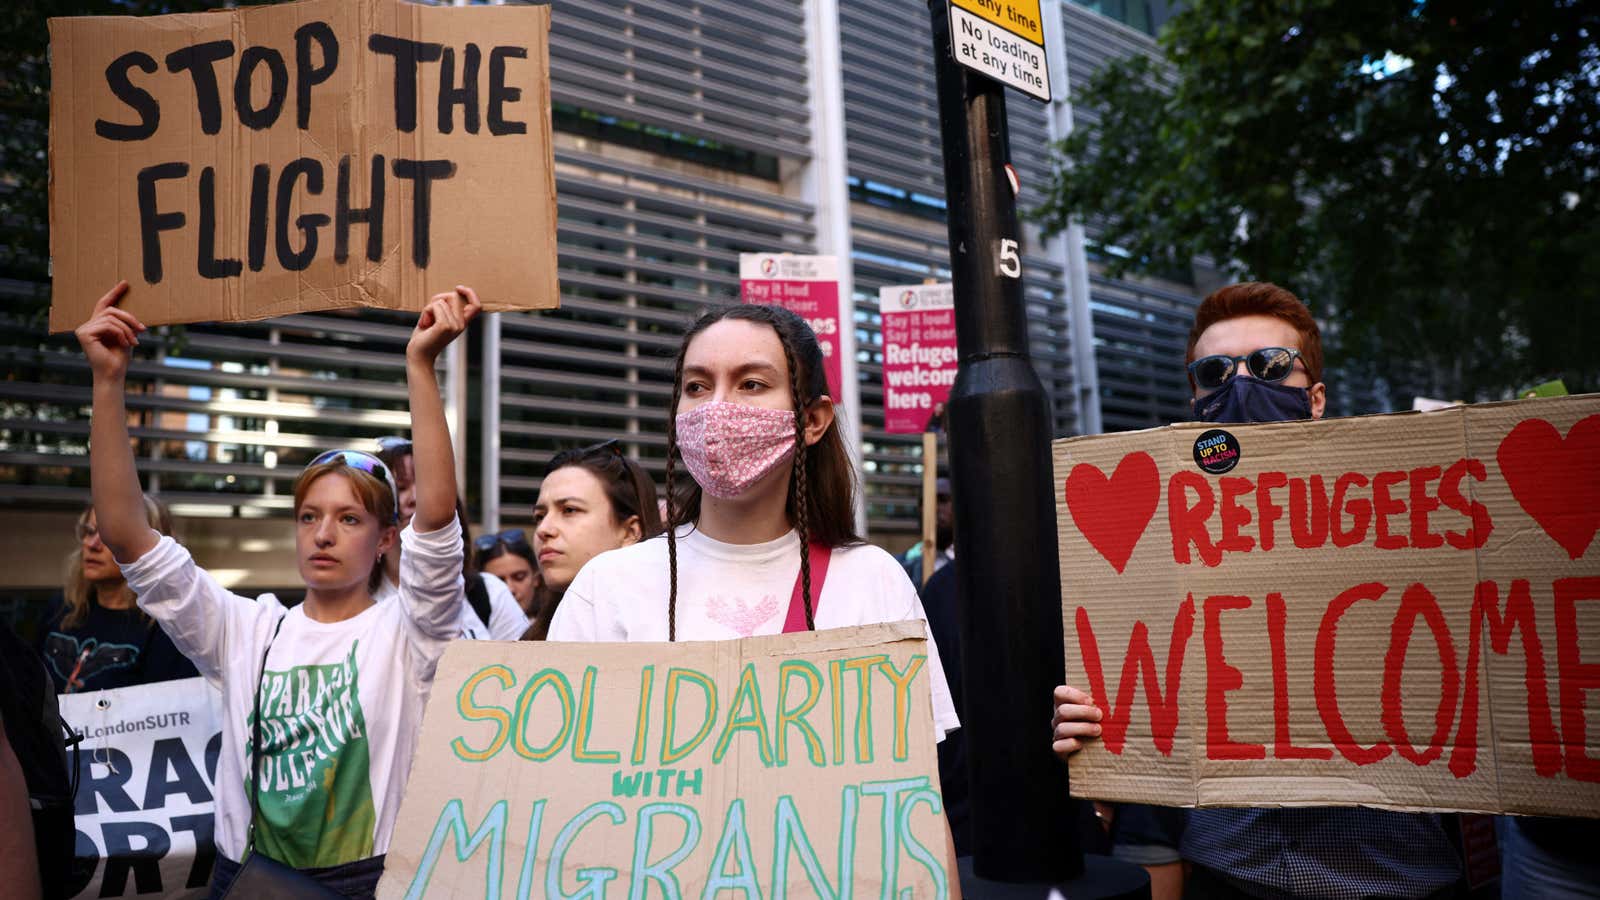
{"x":728,"y":447}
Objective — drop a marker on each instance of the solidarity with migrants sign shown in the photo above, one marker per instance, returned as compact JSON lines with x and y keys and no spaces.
{"x":253,"y":162}
{"x":797,"y":765}
{"x":1399,"y":611}
{"x":146,"y":773}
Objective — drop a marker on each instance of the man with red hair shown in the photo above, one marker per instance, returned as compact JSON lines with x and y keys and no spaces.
{"x":1255,"y":355}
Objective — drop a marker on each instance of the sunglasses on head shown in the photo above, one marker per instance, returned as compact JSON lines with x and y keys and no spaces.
{"x":605,"y":450}
{"x":511,"y":537}
{"x":393,"y":443}
{"x":366,"y":462}
{"x":1270,"y":364}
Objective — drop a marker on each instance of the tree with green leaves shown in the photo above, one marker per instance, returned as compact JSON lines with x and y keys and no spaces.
{"x":1422,"y":173}
{"x":25,"y":129}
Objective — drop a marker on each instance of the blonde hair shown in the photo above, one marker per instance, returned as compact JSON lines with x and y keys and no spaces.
{"x":373,"y":492}
{"x":76,"y":589}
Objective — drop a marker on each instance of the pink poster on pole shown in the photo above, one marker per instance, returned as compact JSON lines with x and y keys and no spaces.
{"x":805,"y":285}
{"x":919,"y":354}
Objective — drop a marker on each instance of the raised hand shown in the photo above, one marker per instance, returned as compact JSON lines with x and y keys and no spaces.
{"x":443,"y":320}
{"x":109,"y":336}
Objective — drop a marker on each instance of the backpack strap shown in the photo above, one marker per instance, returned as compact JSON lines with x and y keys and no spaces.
{"x":819,"y":554}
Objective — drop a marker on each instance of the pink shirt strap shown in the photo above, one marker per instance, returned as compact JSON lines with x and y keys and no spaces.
{"x":796,"y":620}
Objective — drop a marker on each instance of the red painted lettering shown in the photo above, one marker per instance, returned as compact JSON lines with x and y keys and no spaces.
{"x":1235,"y":516}
{"x":1282,"y":747}
{"x":1577,"y":678}
{"x":1384,"y":506}
{"x":1360,"y":510}
{"x":1186,"y":523}
{"x":1139,"y":662}
{"x":1323,"y":675}
{"x":1308,"y":522}
{"x":1422,"y":503}
{"x":1220,"y":679}
{"x":1268,"y":512}
{"x":1419,"y":601}
{"x":1450,"y":495}
{"x":1543,"y":741}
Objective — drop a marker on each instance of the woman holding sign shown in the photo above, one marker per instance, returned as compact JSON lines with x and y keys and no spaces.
{"x":322,"y":702}
{"x":769,"y":516}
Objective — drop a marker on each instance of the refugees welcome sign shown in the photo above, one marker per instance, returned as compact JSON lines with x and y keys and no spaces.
{"x":1399,"y":611}
{"x":328,"y":153}
{"x":796,"y":765}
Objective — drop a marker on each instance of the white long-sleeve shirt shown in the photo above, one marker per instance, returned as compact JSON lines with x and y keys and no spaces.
{"x":341,"y":702}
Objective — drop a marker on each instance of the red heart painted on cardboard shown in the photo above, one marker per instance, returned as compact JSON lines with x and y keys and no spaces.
{"x":1113,"y":512}
{"x":1556,"y":480}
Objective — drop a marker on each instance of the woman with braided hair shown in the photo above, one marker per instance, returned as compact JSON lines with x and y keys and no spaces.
{"x":763,"y":539}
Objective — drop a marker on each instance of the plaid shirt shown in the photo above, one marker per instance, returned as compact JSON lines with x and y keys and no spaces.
{"x":1343,"y":853}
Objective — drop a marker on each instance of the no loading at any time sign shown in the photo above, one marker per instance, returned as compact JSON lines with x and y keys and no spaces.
{"x":1002,"y":39}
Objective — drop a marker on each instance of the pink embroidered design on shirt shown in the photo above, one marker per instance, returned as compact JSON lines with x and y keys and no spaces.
{"x":733,"y":613}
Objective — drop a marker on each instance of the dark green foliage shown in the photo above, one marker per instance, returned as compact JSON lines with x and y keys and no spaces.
{"x":1422,"y":173}
{"x":24,"y":132}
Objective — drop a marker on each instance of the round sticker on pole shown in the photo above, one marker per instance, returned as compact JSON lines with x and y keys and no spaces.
{"x":1016,"y":183}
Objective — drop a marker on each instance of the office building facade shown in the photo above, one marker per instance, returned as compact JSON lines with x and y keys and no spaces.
{"x":686,"y":133}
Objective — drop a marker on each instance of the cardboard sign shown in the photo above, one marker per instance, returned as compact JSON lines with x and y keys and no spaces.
{"x":255,"y":162}
{"x":919,"y":354}
{"x":796,"y":765}
{"x":1398,"y":611}
{"x":805,"y":285}
{"x":146,"y":771}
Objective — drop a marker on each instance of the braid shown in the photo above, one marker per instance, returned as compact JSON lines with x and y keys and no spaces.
{"x":798,"y":492}
{"x":672,"y":506}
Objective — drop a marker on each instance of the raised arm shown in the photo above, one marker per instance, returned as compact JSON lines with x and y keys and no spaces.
{"x":108,"y":339}
{"x":442,"y":321}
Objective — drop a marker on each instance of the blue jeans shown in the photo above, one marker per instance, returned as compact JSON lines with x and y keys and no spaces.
{"x":1537,"y":869}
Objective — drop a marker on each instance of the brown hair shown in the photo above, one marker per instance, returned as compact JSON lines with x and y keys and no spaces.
{"x":372,"y":491}
{"x":629,"y":491}
{"x":1259,"y":298}
{"x":822,"y":489}
{"x":76,"y":590}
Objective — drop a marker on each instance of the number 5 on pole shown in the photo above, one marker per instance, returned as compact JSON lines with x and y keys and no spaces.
{"x":1010,"y":262}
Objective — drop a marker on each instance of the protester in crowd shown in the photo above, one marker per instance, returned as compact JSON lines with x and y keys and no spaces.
{"x":944,"y":629}
{"x":36,"y":790}
{"x":944,"y":530}
{"x":1255,"y":355}
{"x":770,"y":512}
{"x":507,"y":556}
{"x":19,"y":857}
{"x":591,"y":500}
{"x":97,"y":637}
{"x":322,"y":702}
{"x":491,"y":611}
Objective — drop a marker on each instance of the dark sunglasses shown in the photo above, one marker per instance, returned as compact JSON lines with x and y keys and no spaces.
{"x":366,"y":462}
{"x":511,"y":537}
{"x":603,"y":451}
{"x":1271,"y":364}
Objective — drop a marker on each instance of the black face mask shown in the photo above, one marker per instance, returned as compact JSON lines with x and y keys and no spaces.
{"x":1244,"y":400}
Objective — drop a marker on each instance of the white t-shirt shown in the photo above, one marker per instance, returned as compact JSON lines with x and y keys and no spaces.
{"x":728,"y":591}
{"x":341,"y":702}
{"x":507,"y":621}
